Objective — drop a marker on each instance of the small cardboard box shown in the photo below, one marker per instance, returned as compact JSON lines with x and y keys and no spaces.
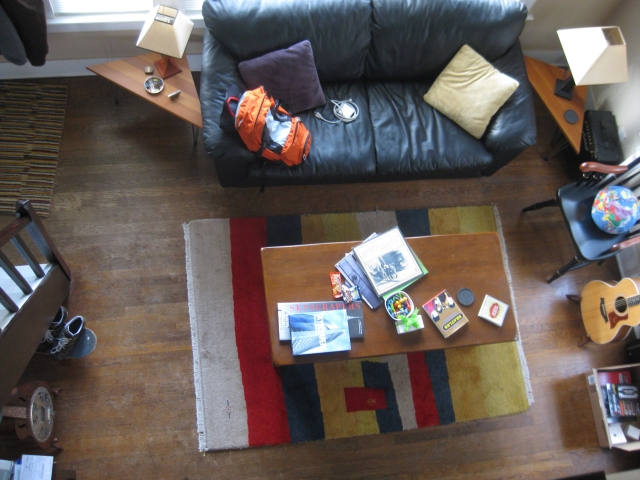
{"x":612,"y":435}
{"x":400,"y":327}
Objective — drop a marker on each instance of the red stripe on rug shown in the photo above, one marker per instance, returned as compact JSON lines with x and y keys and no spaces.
{"x":359,"y":399}
{"x":424,"y":401}
{"x":266,"y":412}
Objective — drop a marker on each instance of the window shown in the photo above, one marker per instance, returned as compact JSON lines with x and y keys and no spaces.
{"x":91,"y":7}
{"x":96,"y":7}
{"x":193,"y":5}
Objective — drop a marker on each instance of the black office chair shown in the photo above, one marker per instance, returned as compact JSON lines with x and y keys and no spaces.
{"x":575,"y":201}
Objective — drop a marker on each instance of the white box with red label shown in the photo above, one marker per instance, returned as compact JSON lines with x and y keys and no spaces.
{"x":493,"y":310}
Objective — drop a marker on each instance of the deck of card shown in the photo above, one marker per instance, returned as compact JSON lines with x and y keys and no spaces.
{"x":493,"y":310}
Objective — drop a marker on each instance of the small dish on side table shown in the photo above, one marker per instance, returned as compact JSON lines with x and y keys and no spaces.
{"x":153,"y":85}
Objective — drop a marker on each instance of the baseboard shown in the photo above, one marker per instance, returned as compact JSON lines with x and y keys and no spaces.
{"x":68,"y":68}
{"x":552,"y":57}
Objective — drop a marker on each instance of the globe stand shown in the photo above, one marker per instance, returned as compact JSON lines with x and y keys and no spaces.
{"x":31,"y":405}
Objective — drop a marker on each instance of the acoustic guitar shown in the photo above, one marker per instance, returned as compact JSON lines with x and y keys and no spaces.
{"x":607,"y":310}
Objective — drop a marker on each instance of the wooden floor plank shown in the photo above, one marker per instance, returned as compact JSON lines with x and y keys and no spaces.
{"x":129,"y":177}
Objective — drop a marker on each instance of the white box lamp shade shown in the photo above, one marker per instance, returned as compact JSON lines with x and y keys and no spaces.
{"x":165,"y":31}
{"x":596,"y":55}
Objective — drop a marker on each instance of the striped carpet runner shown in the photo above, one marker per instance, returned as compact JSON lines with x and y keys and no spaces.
{"x":31,"y":121}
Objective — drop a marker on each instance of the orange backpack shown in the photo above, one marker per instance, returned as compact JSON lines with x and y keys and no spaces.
{"x":268,"y":129}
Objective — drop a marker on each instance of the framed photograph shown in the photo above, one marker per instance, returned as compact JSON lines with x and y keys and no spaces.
{"x":388,"y":261}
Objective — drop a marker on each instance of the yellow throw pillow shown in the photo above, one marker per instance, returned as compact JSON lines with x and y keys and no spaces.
{"x":470,"y":91}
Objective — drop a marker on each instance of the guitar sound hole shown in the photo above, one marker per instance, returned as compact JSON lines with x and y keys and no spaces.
{"x":621,"y":305}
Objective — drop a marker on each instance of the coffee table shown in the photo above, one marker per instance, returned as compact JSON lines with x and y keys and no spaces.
{"x":301,"y":274}
{"x":128,"y":73}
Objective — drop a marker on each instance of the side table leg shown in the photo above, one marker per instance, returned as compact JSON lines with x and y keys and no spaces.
{"x":195,"y":130}
{"x":114,"y":91}
{"x":562,"y":144}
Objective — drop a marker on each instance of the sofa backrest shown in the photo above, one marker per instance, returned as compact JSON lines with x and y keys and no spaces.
{"x":415,"y":39}
{"x":339,"y":31}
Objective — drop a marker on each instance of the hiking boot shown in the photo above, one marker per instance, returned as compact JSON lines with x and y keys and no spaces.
{"x":57,"y":324}
{"x":67,"y":338}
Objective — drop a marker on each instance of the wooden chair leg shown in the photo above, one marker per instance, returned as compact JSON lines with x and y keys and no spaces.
{"x":538,"y":206}
{"x":572,"y":265}
{"x":561,"y":271}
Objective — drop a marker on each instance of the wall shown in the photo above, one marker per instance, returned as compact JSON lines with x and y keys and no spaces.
{"x":623,"y":99}
{"x":114,"y":44}
{"x":540,"y":39}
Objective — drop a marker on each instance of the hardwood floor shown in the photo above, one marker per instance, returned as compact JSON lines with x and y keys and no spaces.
{"x":128,"y":179}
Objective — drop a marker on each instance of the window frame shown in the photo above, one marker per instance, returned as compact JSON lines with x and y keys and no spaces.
{"x":104,"y":22}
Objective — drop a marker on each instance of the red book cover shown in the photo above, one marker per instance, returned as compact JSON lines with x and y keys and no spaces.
{"x":620,"y":377}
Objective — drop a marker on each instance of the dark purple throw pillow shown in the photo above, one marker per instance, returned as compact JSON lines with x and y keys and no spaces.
{"x":288,"y":75}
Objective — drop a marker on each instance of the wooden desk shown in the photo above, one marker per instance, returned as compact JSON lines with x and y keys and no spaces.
{"x":129,"y":74}
{"x":301,"y":274}
{"x":543,"y":79}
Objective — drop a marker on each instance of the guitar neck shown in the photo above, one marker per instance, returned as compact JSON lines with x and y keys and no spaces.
{"x":633,"y":301}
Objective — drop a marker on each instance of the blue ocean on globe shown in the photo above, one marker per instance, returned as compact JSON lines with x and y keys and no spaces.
{"x":615,"y":209}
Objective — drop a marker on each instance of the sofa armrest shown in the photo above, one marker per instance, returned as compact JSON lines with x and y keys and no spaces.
{"x":513,"y":127}
{"x":219,"y":73}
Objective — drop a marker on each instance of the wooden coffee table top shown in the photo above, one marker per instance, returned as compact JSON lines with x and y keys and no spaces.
{"x":128,"y":73}
{"x":301,"y":274}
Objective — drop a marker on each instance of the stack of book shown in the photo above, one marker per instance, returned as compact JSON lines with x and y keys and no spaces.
{"x":381,"y":265}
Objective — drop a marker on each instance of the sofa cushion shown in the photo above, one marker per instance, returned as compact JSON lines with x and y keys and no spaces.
{"x":288,"y":75}
{"x":343,"y":152}
{"x":339,"y":31}
{"x":470,"y":91}
{"x":413,"y":140}
{"x":415,"y":39}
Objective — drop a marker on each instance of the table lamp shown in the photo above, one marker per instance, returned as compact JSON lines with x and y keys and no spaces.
{"x":166,"y":31}
{"x":596,"y":55}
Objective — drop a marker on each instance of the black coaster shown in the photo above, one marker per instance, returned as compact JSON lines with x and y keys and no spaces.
{"x":570,"y":116}
{"x":465,"y":297}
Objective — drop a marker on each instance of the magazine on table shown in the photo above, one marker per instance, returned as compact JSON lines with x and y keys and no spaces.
{"x":319,"y":332}
{"x":388,"y":261}
{"x":354,"y":276}
{"x":354,"y":314}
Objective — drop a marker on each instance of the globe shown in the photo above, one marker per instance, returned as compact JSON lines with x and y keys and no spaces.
{"x":615,"y":209}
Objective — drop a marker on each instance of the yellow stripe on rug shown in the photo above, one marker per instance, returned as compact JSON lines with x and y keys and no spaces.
{"x":444,"y":221}
{"x":497,"y":369}
{"x":332,"y":378}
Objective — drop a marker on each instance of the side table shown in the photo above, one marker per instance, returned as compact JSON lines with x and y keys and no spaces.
{"x":543,"y":79}
{"x":129,"y":74}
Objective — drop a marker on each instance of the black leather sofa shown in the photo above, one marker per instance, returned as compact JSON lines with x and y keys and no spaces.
{"x":383,"y":54}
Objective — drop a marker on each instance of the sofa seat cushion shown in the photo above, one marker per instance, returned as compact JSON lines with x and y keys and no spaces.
{"x":343,"y":152}
{"x":414,"y":139}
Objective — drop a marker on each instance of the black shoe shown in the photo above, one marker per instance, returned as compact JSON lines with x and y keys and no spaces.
{"x":68,"y":337}
{"x":54,"y":331}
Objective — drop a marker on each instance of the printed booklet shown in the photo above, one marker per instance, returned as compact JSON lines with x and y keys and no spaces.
{"x":354,"y":315}
{"x":319,"y":332}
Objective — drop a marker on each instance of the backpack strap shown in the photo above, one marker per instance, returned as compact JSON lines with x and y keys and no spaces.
{"x":232,"y":111}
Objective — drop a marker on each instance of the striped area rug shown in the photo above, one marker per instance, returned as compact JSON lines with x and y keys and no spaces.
{"x":31,"y":121}
{"x":243,"y":401}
